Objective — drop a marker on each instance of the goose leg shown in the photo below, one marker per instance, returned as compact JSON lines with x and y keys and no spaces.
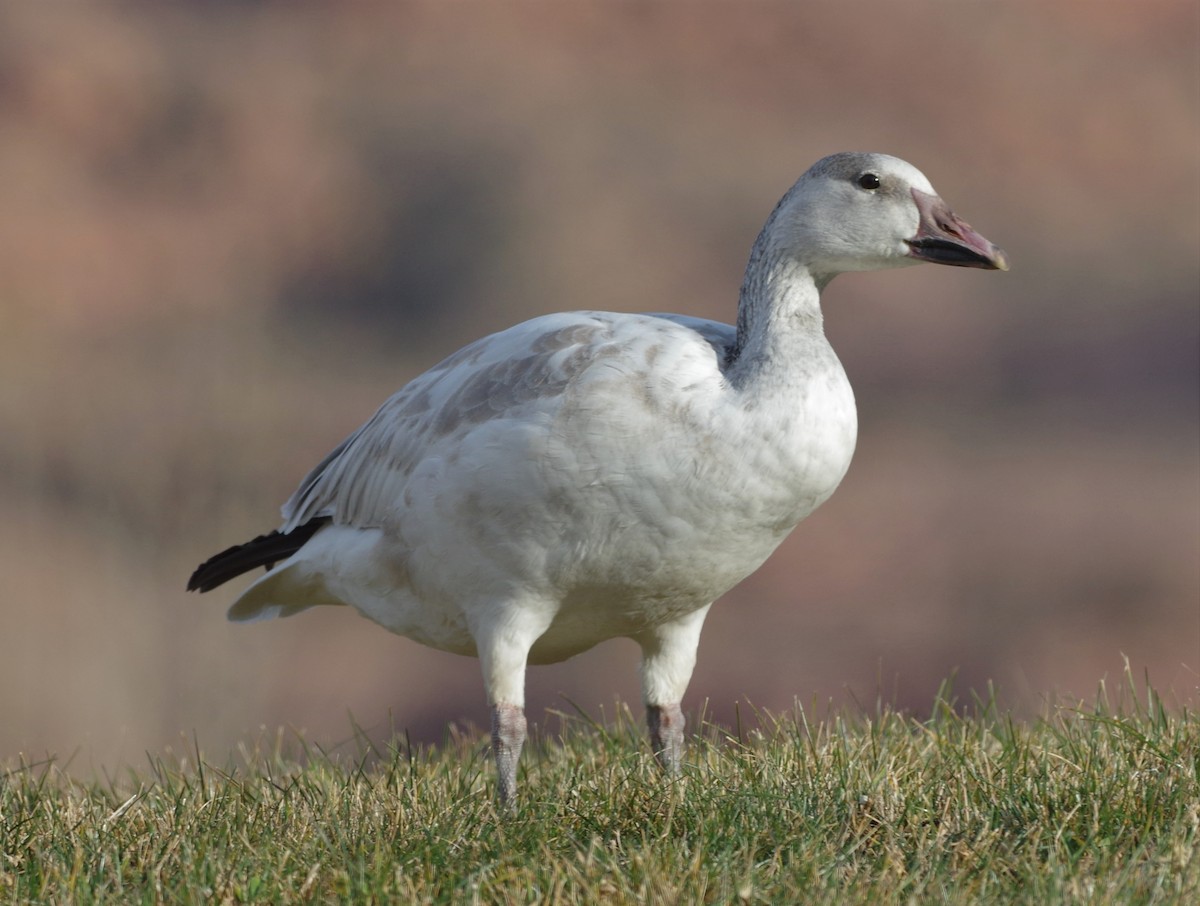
{"x":666,"y":723}
{"x":503,"y":638}
{"x":668,"y":658}
{"x":508,"y":736}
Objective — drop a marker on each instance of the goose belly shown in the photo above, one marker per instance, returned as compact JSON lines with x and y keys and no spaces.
{"x":609,"y":533}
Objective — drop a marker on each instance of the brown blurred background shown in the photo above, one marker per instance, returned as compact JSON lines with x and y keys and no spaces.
{"x":228,"y":232}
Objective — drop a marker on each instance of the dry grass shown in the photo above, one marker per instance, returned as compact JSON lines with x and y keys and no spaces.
{"x":1095,"y":804}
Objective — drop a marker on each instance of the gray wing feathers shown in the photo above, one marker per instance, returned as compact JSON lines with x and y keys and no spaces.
{"x":350,"y":482}
{"x":362,"y":481}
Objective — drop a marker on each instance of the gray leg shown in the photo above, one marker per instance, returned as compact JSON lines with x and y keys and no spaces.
{"x":508,"y":736}
{"x":668,"y":656}
{"x":503,"y":637}
{"x":666,"y":724}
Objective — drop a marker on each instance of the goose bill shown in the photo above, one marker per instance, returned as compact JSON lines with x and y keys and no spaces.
{"x":945,"y":238}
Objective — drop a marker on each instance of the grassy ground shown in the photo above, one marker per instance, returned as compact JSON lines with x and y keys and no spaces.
{"x":1097,"y":804}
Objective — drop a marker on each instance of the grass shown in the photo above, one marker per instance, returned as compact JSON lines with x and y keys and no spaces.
{"x":1089,"y":804}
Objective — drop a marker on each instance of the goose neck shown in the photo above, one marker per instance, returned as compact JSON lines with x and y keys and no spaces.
{"x":779,"y":315}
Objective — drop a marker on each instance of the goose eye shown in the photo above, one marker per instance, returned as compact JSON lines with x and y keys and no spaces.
{"x":869,"y":181}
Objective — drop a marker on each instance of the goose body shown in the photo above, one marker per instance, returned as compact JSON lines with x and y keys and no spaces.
{"x":588,"y":475}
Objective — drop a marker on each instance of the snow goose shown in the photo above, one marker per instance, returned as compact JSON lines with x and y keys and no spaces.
{"x":588,"y":475}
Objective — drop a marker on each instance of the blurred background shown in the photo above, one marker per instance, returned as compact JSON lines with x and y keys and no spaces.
{"x":228,"y":232}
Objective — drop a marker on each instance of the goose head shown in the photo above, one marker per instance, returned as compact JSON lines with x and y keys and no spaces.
{"x":859,"y":212}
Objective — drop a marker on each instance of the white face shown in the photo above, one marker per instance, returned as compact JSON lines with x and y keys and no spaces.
{"x":852,"y":212}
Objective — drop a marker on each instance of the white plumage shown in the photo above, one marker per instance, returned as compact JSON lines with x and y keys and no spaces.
{"x":588,"y":475}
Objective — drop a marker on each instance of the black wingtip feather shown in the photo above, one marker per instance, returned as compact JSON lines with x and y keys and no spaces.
{"x":265,"y":550}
